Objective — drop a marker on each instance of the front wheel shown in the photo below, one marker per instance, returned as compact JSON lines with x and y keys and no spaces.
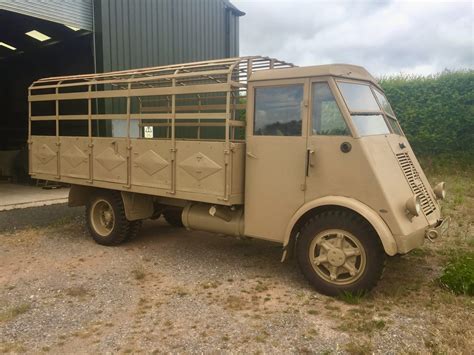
{"x":339,"y":252}
{"x":106,"y":221}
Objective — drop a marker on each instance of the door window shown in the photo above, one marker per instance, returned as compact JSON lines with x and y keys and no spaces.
{"x":326,"y":119}
{"x":278,"y":111}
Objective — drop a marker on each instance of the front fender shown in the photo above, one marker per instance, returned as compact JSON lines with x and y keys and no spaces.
{"x":386,"y":237}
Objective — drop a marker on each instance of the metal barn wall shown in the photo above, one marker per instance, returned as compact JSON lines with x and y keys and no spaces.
{"x":76,"y":13}
{"x":134,"y":34}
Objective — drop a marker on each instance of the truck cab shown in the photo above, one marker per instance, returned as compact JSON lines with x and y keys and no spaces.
{"x":323,"y":140}
{"x":324,"y":168}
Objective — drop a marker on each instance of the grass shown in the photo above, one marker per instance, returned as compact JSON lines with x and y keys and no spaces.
{"x":77,"y":291}
{"x":138,"y":272}
{"x":180,"y":291}
{"x":359,"y":348}
{"x":261,"y":287}
{"x":458,"y":275}
{"x":11,"y":348}
{"x":352,"y":297}
{"x":235,"y":303}
{"x":211,"y":284}
{"x":360,"y":324}
{"x":13,"y":312}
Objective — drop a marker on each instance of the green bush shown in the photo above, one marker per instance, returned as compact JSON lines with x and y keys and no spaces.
{"x":458,"y":275}
{"x":436,"y":112}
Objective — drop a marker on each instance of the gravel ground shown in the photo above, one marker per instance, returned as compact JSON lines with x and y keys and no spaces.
{"x":171,"y":290}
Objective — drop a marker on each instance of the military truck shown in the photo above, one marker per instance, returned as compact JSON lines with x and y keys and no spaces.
{"x":312,"y":158}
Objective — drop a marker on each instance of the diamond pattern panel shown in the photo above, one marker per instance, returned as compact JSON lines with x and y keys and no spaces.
{"x":109,"y":159}
{"x":45,"y":154}
{"x":74,"y":156}
{"x":200,"y":166}
{"x":151,"y":162}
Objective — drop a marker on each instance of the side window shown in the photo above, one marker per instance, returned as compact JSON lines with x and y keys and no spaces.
{"x":327,"y":119}
{"x":278,"y":111}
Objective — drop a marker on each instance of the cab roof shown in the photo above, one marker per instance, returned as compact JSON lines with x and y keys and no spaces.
{"x":347,"y":71}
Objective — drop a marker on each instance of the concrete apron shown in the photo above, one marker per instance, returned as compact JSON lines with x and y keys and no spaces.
{"x":13,"y":196}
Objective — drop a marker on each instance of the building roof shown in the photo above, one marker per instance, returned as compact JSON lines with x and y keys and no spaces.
{"x":228,"y":5}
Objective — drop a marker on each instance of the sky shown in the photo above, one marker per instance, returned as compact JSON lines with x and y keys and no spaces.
{"x":385,"y":37}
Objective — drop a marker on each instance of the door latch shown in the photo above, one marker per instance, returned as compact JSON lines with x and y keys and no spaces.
{"x":309,"y":160}
{"x":251,"y":155}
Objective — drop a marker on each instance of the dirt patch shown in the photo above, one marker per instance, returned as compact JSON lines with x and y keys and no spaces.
{"x":170,"y":290}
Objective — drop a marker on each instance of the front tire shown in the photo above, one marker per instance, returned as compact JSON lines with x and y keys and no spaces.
{"x":339,"y":252}
{"x":106,"y":220}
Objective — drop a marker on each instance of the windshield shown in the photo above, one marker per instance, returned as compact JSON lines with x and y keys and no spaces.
{"x":384,"y":103}
{"x":359,"y":98}
{"x":370,"y":109}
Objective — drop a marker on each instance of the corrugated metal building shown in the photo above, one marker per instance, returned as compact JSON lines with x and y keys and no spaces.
{"x":49,"y":38}
{"x":133,"y":34}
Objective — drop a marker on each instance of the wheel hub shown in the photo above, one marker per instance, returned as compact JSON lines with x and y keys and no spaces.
{"x":102,"y":217}
{"x":107,"y":216}
{"x":336,"y":257}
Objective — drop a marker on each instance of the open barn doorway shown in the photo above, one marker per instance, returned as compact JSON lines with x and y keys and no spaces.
{"x":32,"y":48}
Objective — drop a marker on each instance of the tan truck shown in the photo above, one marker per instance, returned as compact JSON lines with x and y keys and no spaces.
{"x":312,"y":158}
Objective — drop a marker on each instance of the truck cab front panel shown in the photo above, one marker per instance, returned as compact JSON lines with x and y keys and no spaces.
{"x":350,"y":145}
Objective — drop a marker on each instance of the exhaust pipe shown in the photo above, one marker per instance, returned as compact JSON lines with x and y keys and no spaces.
{"x":214,"y":218}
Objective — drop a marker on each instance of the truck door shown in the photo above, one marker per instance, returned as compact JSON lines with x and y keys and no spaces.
{"x":275,"y":157}
{"x":331,"y":151}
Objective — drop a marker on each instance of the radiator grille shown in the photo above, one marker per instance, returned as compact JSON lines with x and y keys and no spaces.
{"x":416,"y":184}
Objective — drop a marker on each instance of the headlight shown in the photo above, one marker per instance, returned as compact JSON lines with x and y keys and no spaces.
{"x":413,"y":206}
{"x":440,"y":191}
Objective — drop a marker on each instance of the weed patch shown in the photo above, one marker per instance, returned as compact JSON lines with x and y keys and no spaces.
{"x":77,"y":291}
{"x":352,"y":297}
{"x":13,"y":312}
{"x":458,"y":275}
{"x":138,"y":272}
{"x":359,"y":348}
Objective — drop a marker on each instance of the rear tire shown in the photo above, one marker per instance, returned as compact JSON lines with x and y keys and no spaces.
{"x":173,"y":217}
{"x":340,"y":252}
{"x":106,"y":220}
{"x":133,"y":229}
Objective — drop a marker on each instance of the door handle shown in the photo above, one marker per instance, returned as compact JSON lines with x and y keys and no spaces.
{"x":250,"y":155}
{"x":309,"y":160}
{"x":310,"y":157}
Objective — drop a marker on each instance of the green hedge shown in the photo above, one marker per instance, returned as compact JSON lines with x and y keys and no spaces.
{"x":436,"y":112}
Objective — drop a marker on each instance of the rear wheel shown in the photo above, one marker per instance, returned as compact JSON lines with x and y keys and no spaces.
{"x":340,"y":252}
{"x":133,"y":229}
{"x":106,"y":221}
{"x":173,"y":216}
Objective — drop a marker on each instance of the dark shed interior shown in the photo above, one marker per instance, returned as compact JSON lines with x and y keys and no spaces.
{"x":127,"y":34}
{"x":66,"y":52}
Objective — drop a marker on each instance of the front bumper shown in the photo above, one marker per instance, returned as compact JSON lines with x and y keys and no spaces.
{"x":415,"y":240}
{"x":438,"y":230}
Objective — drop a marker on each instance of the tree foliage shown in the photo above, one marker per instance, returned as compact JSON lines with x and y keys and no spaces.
{"x":436,"y":112}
